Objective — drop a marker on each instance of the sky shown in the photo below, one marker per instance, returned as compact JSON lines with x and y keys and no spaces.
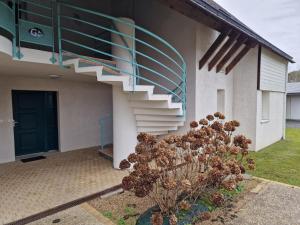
{"x":278,"y":21}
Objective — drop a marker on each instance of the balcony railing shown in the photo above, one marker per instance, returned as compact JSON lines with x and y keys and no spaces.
{"x":67,"y":29}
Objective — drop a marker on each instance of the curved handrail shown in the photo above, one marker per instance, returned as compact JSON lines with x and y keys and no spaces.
{"x":166,"y":72}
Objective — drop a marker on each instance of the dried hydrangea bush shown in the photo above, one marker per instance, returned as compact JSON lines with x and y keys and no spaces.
{"x":179,"y":169}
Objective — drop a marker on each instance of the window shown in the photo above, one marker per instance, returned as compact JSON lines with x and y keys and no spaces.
{"x":265,"y":100}
{"x":221,"y":100}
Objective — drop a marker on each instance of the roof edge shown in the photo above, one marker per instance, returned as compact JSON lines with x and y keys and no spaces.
{"x":240,"y":27}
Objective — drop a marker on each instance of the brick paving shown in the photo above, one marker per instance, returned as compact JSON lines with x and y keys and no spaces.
{"x":30,"y":188}
{"x":77,"y":215}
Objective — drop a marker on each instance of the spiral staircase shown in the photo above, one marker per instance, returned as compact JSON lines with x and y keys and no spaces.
{"x":109,"y":49}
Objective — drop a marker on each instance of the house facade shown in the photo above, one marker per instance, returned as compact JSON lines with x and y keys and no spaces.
{"x":293,"y":101}
{"x":151,"y":66}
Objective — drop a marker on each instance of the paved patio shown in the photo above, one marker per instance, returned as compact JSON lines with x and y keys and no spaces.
{"x":79,"y":215}
{"x":275,"y":204}
{"x":30,"y":188}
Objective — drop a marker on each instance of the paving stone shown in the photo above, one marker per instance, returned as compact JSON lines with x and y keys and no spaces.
{"x":33,"y":187}
{"x":73,"y":216}
{"x":275,"y":204}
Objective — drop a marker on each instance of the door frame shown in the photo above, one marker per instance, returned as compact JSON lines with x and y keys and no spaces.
{"x":58,"y":119}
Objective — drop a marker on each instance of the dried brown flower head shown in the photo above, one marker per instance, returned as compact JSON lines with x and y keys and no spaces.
{"x":132,"y":158}
{"x":217,"y":114}
{"x":234,"y":150}
{"x":188,"y":158}
{"x":157,"y":219}
{"x":184,"y":205}
{"x":169,"y":183}
{"x":140,"y":148}
{"x":222,"y":116}
{"x":229,"y":127}
{"x":251,"y":166}
{"x":193,"y":124}
{"x":235,"y":123}
{"x":186,"y":184}
{"x":203,"y":122}
{"x":124,"y":164}
{"x":201,"y":178}
{"x":202,"y":158}
{"x":241,"y":141}
{"x":142,"y":137}
{"x":216,"y":125}
{"x":204,"y":216}
{"x":239,"y":178}
{"x":173,"y":220}
{"x":210,"y":117}
{"x":229,"y":185}
{"x":217,"y":199}
{"x":128,"y":182}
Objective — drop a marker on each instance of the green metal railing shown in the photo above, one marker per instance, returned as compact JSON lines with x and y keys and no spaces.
{"x":70,"y":30}
{"x":35,"y":24}
{"x":166,"y":70}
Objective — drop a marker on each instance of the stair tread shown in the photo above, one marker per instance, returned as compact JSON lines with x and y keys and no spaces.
{"x":159,"y":118}
{"x":154,"y":113}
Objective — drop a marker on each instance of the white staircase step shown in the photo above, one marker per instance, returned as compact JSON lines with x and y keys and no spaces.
{"x":158,"y":132}
{"x":159,"y":123}
{"x":159,"y":118}
{"x":140,"y":88}
{"x":114,"y":80}
{"x":174,"y":112}
{"x":154,"y":113}
{"x":71,"y":62}
{"x":155,"y":104}
{"x":156,"y":129}
{"x":147,"y":96}
{"x":90,"y":70}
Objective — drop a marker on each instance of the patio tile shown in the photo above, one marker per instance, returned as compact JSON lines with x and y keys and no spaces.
{"x":74,"y":216}
{"x":30,"y":188}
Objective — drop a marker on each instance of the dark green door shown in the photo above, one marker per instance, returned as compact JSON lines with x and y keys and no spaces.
{"x":35,"y":115}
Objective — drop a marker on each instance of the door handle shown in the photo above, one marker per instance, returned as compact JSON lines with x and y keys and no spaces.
{"x":14,"y":123}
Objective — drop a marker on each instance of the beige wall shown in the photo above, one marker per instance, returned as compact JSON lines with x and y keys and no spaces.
{"x":80,"y":105}
{"x":208,"y":82}
{"x":180,"y":32}
{"x":244,"y":97}
{"x":271,"y":130}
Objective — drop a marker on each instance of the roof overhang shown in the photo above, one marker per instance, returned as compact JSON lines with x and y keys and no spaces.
{"x":220,"y":20}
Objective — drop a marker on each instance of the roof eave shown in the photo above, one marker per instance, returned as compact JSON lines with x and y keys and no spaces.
{"x":229,"y":21}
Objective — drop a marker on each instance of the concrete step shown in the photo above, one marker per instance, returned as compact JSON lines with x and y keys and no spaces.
{"x":159,"y":123}
{"x":172,"y":112}
{"x":155,"y":113}
{"x":146,"y":96}
{"x":159,"y":118}
{"x":159,"y":133}
{"x":156,"y":129}
{"x":155,"y":104}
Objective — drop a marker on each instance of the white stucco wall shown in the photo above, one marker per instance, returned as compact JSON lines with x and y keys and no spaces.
{"x":180,"y":32}
{"x":273,"y":78}
{"x":80,"y":105}
{"x":208,"y":82}
{"x":272,"y":130}
{"x":244,"y":97}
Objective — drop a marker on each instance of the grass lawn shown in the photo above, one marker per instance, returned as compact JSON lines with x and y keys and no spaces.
{"x":280,"y":161}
